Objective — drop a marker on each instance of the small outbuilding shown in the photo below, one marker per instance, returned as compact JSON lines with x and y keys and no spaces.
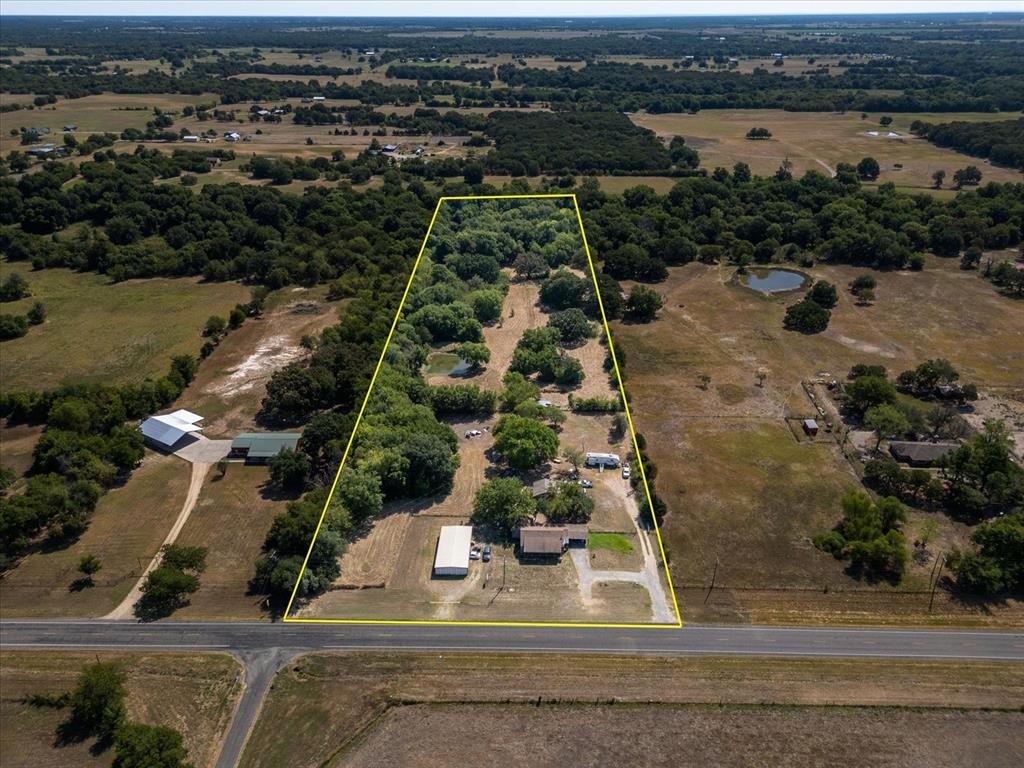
{"x":810,"y":427}
{"x":261,"y":447}
{"x":166,"y":430}
{"x":577,"y":534}
{"x":452,"y":557}
{"x":543,"y":541}
{"x":919,"y":454}
{"x":389,"y":148}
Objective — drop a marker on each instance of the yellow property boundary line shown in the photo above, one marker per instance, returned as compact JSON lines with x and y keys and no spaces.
{"x":366,"y":398}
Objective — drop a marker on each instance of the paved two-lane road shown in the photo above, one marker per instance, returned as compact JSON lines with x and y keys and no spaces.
{"x":264,"y":647}
{"x":239,"y":637}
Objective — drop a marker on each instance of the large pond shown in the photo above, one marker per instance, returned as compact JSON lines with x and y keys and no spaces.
{"x":773,"y":280}
{"x":446,"y":364}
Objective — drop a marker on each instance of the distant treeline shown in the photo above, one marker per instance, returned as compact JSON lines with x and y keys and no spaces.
{"x":582,"y":142}
{"x":1001,"y":141}
{"x":483,"y":75}
{"x":625,"y":87}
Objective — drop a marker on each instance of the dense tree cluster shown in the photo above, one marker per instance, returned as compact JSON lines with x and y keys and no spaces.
{"x":582,"y":142}
{"x":1001,"y":141}
{"x":869,"y":536}
{"x":776,"y":219}
{"x":997,"y":563}
{"x":85,"y":448}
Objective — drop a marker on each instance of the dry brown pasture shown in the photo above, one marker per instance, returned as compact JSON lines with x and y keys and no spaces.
{"x":819,"y":141}
{"x":332,"y":706}
{"x":591,"y":736}
{"x":105,"y":112}
{"x":742,"y":491}
{"x":231,"y":519}
{"x":125,"y":532}
{"x":193,"y":693}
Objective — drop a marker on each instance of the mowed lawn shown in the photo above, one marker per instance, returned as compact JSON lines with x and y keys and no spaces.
{"x":231,"y":519}
{"x":98,"y":331}
{"x":125,"y":532}
{"x":741,"y":490}
{"x":820,"y":140}
{"x":193,"y":693}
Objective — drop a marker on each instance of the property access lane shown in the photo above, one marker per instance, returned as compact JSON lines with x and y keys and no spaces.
{"x":747,"y":640}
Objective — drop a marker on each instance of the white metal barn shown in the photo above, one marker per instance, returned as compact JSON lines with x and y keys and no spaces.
{"x":603,"y":460}
{"x":168,"y":429}
{"x":452,"y":558}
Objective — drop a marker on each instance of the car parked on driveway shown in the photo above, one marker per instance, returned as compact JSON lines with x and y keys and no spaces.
{"x":487,"y":554}
{"x":586,"y":484}
{"x":625,"y":471}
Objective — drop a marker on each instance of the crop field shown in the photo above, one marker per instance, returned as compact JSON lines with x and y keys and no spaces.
{"x":339,"y":707}
{"x":96,"y":330}
{"x":742,"y":492}
{"x":819,"y":141}
{"x":193,"y":693}
{"x":126,"y":530}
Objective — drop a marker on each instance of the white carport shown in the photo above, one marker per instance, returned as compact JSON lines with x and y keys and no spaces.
{"x":453,"y":545}
{"x":168,"y":429}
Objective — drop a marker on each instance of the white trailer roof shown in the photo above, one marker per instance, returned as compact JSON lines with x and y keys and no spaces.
{"x":453,"y":546}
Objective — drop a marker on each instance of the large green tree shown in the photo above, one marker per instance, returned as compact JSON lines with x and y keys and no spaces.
{"x":503,"y":502}
{"x":523,"y":442}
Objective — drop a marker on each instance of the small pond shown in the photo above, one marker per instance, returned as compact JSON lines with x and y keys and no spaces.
{"x":772,"y":280}
{"x":446,"y":364}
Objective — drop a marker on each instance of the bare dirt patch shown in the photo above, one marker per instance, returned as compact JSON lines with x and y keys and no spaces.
{"x":232,"y":381}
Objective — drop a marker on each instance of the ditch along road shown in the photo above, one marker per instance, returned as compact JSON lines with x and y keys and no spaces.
{"x":265,"y":647}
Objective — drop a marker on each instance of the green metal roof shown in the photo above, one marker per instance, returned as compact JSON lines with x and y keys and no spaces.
{"x":264,"y":445}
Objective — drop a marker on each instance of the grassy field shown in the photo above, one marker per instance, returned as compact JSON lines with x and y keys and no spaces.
{"x":330,"y":703}
{"x":107,"y":332}
{"x":106,"y":112}
{"x":231,"y":519}
{"x":741,"y":490}
{"x":193,"y":693}
{"x":821,"y":140}
{"x":127,"y":528}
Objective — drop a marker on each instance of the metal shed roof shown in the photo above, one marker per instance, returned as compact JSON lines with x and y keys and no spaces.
{"x":264,"y":445}
{"x":453,"y":547}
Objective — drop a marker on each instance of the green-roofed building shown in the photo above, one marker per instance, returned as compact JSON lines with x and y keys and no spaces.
{"x":261,"y":447}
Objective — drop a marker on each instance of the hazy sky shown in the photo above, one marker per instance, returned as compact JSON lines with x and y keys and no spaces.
{"x":400,"y":8}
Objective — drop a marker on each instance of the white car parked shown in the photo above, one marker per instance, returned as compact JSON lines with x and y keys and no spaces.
{"x":473,"y":433}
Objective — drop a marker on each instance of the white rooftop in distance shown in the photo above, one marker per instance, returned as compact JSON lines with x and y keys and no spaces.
{"x":171,"y":427}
